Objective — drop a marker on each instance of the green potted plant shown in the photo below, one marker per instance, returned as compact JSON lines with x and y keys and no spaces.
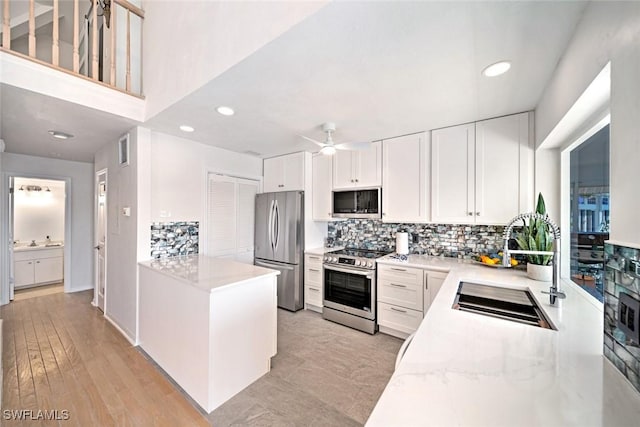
{"x":536,"y":236}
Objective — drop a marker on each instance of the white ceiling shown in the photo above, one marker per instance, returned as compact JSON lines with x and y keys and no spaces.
{"x":377,"y":69}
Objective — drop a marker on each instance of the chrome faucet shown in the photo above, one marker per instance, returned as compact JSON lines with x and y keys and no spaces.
{"x":554,"y":290}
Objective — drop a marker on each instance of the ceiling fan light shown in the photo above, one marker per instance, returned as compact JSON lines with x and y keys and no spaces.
{"x":328,"y":150}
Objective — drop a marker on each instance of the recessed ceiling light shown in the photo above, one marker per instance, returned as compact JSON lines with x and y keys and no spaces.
{"x":225,"y":111}
{"x":60,"y":135}
{"x":185,"y":128}
{"x":497,"y":69}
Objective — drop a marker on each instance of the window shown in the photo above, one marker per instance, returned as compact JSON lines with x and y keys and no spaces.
{"x":589,"y":205}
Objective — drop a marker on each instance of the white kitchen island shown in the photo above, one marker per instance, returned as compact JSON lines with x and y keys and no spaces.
{"x":211,"y":324}
{"x":465,"y":369}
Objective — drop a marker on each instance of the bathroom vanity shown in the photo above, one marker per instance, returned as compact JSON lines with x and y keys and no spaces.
{"x":37,"y":265}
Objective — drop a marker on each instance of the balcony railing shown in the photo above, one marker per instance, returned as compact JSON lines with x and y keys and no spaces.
{"x":99,"y":40}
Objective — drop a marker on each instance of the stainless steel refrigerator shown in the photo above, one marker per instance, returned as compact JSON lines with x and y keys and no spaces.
{"x":279,"y":240}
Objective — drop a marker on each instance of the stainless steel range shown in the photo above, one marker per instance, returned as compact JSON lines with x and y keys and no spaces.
{"x":350,"y":288}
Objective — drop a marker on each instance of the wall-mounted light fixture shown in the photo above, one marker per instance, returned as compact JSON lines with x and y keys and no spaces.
{"x":105,"y":5}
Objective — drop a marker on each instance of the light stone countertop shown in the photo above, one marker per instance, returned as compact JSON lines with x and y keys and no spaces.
{"x":465,"y":369}
{"x":207,"y":273}
{"x":40,"y":247}
{"x":322,"y":251}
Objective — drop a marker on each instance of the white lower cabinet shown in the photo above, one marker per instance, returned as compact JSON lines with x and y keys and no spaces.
{"x":404,"y":296}
{"x":313,"y":282}
{"x":35,"y":267}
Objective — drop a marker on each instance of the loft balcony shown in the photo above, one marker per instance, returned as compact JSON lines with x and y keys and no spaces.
{"x":83,"y":51}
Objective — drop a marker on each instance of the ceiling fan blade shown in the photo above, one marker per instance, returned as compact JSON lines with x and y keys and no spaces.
{"x":353,"y":146}
{"x":321,"y":144}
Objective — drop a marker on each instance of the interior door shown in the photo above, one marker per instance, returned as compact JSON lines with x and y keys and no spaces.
{"x":101,"y":239}
{"x":10,"y":241}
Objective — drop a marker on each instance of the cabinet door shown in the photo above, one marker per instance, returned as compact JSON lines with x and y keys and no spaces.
{"x":405,"y":171}
{"x":453,"y":174}
{"x":273,"y":175}
{"x":293,"y":167}
{"x":343,"y":169}
{"x":23,"y":273}
{"x":502,"y":147}
{"x":432,"y":283}
{"x":368,"y":166}
{"x":322,"y":183}
{"x":48,"y":270}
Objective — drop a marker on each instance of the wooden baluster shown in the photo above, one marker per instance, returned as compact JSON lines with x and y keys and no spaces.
{"x":6,"y":26}
{"x":55,"y":45}
{"x":94,"y":42}
{"x":128,"y":81}
{"x":76,"y":38}
{"x":114,"y":19}
{"x":32,"y":28}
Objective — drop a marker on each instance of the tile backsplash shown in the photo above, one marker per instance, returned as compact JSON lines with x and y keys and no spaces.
{"x":459,"y":241}
{"x":622,"y":275}
{"x":170,"y":239}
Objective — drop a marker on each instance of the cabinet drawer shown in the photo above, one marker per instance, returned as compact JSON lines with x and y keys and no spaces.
{"x":403,"y":294}
{"x":405,"y":275}
{"x":398,"y":318}
{"x":313,"y":295}
{"x":37,"y":254}
{"x":313,"y":275}
{"x":314,"y":260}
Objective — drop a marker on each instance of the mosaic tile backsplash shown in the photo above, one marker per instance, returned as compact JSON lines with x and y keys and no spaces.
{"x":458,"y":241}
{"x":170,"y":239}
{"x":622,"y":275}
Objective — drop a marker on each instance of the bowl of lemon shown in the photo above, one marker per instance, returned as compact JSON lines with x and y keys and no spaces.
{"x":495,"y":260}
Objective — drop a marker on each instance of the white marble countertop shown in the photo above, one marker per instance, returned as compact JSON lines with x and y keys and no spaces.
{"x":207,"y":273}
{"x":465,"y":369}
{"x":322,"y":251}
{"x":39,"y":247}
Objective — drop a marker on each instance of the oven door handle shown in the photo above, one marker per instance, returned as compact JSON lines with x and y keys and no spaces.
{"x":344,"y":270}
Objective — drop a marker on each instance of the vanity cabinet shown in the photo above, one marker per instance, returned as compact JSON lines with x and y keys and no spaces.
{"x":358,"y":169}
{"x":284,"y":173}
{"x":482,"y":173}
{"x":405,"y":178}
{"x":313,"y":282}
{"x":38,"y":267}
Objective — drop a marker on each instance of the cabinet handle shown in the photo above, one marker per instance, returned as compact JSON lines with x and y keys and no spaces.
{"x":398,"y":269}
{"x":29,"y":262}
{"x":314,"y":257}
{"x":477,"y":213}
{"x":314,"y":269}
{"x":384,"y":214}
{"x":280,"y":185}
{"x":470,"y":213}
{"x":37,"y":262}
{"x":351,"y":180}
{"x":398,"y":285}
{"x":356,"y":180}
{"x":398,"y":310}
{"x":314,"y":289}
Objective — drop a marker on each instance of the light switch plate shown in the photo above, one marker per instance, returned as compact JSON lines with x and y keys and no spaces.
{"x":629,"y":317}
{"x":126,"y":211}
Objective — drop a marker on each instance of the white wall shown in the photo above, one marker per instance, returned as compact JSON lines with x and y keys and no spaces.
{"x":122,"y":231}
{"x":38,"y":214}
{"x":547,"y":179}
{"x":179,"y":175}
{"x":204,"y":39}
{"x":80,"y":276}
{"x":609,"y":31}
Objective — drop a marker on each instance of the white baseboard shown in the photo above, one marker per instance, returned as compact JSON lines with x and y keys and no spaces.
{"x":122,"y":331}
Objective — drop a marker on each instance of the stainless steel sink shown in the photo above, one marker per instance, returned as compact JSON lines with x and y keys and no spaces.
{"x":505,"y":303}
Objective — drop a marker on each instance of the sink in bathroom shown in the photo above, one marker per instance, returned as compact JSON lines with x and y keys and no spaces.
{"x":515,"y":305}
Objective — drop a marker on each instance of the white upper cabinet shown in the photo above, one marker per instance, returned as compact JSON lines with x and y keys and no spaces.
{"x":322,"y":182}
{"x":405,"y":178}
{"x":481,"y":172}
{"x":358,"y":169}
{"x":284,"y":173}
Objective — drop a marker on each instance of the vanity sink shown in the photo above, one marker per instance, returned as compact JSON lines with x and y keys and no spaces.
{"x":516,"y":305}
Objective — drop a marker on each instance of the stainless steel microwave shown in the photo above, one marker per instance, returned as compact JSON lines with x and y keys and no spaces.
{"x":361,"y":203}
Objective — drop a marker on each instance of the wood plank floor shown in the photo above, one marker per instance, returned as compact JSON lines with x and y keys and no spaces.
{"x":59,"y":353}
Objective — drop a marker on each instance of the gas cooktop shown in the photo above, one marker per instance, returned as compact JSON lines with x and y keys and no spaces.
{"x":361,"y":253}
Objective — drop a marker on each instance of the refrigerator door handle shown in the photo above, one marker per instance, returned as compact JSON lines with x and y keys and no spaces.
{"x":271,"y":224}
{"x":277,"y":225}
{"x":274,"y":266}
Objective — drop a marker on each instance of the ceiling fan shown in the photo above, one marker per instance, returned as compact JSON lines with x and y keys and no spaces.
{"x":329,"y":147}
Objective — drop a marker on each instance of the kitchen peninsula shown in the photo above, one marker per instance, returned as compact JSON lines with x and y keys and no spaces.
{"x":467,"y":369}
{"x":210,"y":323}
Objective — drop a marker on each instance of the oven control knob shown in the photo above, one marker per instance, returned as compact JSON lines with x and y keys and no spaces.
{"x":334,"y":259}
{"x":326,"y":259}
{"x":370,"y":264}
{"x":358,"y":262}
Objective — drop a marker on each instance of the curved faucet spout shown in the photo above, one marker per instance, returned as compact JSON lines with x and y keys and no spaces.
{"x":554,"y":290}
